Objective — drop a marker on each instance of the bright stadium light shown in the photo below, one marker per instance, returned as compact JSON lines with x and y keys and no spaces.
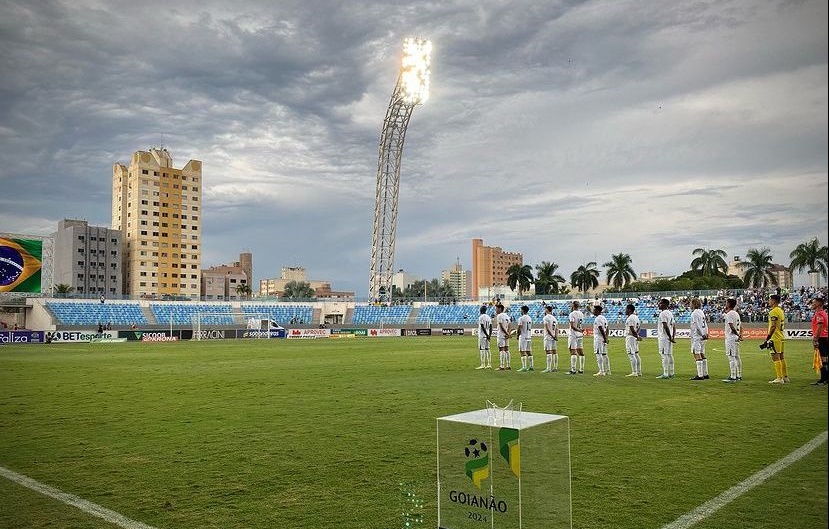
{"x":411,"y":90}
{"x":415,"y":70}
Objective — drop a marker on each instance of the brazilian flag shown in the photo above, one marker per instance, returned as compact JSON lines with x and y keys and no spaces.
{"x":20,"y":265}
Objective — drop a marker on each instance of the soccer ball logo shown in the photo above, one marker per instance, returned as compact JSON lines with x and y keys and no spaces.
{"x":477,"y":461}
{"x":475,"y":449}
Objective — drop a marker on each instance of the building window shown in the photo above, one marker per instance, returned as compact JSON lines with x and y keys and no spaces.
{"x":144,"y":171}
{"x":80,"y":263}
{"x":80,"y":250}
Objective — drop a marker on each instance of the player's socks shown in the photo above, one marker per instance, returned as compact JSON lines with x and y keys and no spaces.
{"x":670,"y":357}
{"x":664,"y":365}
{"x":699,"y":368}
{"x":638,"y":361}
{"x":606,"y":360}
{"x":778,"y":369}
{"x":523,"y":362}
{"x":573,"y":363}
{"x":784,"y":368}
{"x":632,"y":360}
{"x":530,"y":361}
{"x":599,"y":363}
{"x":581,"y":363}
{"x":555,"y":361}
{"x":549,"y":362}
{"x":739,"y":367}
{"x":705,"y":367}
{"x":503,"y":361}
{"x":508,"y":359}
{"x":483,"y":358}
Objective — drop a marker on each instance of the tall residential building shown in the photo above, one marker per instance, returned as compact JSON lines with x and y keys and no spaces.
{"x":88,"y":258}
{"x":490,"y":265}
{"x":222,"y":282}
{"x":158,"y":210}
{"x":460,"y":280}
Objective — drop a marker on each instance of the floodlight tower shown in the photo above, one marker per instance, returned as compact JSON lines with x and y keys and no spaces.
{"x":411,"y":90}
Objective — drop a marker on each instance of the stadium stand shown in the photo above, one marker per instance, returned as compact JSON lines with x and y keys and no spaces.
{"x":373,"y":314}
{"x":182,"y":313}
{"x":282,"y":314}
{"x":93,"y":314}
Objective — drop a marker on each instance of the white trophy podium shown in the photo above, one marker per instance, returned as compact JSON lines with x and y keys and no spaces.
{"x":503,"y":468}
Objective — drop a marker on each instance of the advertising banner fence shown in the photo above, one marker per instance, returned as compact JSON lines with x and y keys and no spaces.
{"x":308,"y":334}
{"x":383,"y":333}
{"x":417,"y":332}
{"x":22,"y":337}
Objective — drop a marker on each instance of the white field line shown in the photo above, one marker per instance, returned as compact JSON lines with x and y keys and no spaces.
{"x":70,"y":499}
{"x":711,"y":506}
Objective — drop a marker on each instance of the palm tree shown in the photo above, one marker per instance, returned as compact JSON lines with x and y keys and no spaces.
{"x":244,"y":290}
{"x":298,"y":289}
{"x":62,"y":289}
{"x":619,"y":270}
{"x":520,"y":276}
{"x":585,"y":277}
{"x":709,"y":262}
{"x":811,"y":256}
{"x":547,"y":280}
{"x":757,"y":269}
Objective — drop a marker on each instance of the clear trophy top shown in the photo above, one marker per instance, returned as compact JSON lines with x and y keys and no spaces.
{"x":509,"y":416}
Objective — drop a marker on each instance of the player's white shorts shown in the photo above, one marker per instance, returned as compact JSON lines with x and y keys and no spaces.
{"x":631,"y":345}
{"x":483,"y":343}
{"x":665,"y":347}
{"x":575,"y":342}
{"x":599,"y":346}
{"x":732,"y":348}
{"x":549,"y":343}
{"x":502,"y":341}
{"x":525,"y":344}
{"x":697,"y":346}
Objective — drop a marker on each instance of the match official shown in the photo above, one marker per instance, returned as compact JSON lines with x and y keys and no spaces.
{"x":820,"y":337}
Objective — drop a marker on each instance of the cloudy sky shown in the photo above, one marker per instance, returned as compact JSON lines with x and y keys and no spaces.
{"x":564,"y":130}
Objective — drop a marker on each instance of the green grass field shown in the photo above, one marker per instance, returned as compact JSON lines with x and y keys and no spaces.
{"x":319,"y":434}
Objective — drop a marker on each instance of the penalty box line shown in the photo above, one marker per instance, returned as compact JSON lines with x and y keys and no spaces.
{"x":70,"y":499}
{"x":713,"y":505}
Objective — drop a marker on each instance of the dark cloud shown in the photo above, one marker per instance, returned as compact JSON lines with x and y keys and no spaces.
{"x":565,"y":130}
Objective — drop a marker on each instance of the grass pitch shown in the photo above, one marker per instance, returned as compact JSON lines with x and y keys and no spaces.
{"x":319,"y":434}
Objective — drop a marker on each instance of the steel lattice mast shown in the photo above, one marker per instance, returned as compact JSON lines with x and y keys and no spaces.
{"x":412,"y":88}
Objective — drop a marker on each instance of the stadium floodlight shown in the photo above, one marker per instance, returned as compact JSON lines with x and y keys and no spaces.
{"x":412,"y":89}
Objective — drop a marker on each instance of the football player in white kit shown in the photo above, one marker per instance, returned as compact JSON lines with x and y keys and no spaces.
{"x":575,"y":340}
{"x":484,"y":335}
{"x":600,"y":341}
{"x":733,"y":337}
{"x":550,"y":339}
{"x":502,"y":320}
{"x":666,"y":339}
{"x":525,"y":339}
{"x":699,"y":334}
{"x":632,"y":339}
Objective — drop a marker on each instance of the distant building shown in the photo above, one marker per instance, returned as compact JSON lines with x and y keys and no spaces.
{"x":88,"y":258}
{"x":275,"y":287}
{"x":222,"y":282}
{"x":459,"y":279}
{"x":784,"y":276}
{"x":648,"y":277}
{"x":157,"y":208}
{"x":490,"y":265}
{"x":403,"y":280}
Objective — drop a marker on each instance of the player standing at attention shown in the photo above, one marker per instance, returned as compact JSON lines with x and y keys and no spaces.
{"x":733,"y":337}
{"x":774,"y":341}
{"x":550,"y":339}
{"x":525,"y":339}
{"x":820,"y":337}
{"x":699,"y":334}
{"x":600,"y":339}
{"x":502,"y":320}
{"x":484,"y":335}
{"x":632,"y":339}
{"x":666,"y":339}
{"x":575,"y":341}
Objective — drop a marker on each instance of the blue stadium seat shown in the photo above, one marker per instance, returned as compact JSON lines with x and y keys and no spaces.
{"x":93,"y":313}
{"x":182,"y":313}
{"x":281,"y":314}
{"x":371,"y":314}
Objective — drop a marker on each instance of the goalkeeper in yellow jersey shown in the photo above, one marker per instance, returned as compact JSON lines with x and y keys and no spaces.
{"x":774,"y":341}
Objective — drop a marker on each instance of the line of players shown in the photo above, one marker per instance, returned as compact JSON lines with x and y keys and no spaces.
{"x":575,"y":336}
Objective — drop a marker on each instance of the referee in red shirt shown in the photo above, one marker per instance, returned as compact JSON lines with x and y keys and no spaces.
{"x":820,"y":338}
